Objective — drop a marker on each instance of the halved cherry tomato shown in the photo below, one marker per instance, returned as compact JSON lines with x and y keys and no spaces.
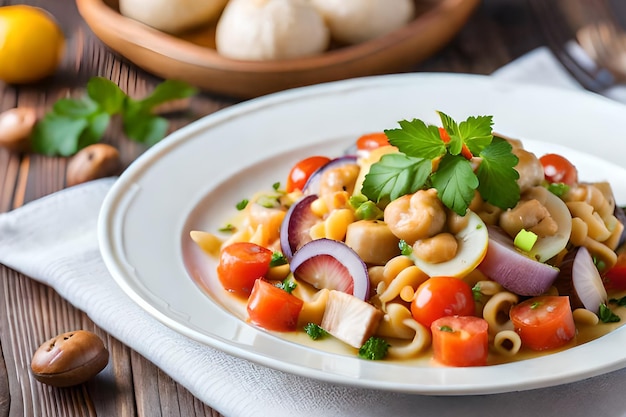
{"x":445,"y":137}
{"x":273,"y":308}
{"x":301,"y":172}
{"x":460,"y":341}
{"x":558,"y":169}
{"x":371,"y":141}
{"x":442,"y":296}
{"x":615,"y":278}
{"x":544,"y":322}
{"x":241,"y":264}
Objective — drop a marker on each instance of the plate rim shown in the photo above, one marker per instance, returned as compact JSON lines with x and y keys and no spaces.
{"x":187,"y":133}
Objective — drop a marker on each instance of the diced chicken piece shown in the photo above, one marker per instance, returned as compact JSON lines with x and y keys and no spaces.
{"x":373,"y":241}
{"x":349,"y":319}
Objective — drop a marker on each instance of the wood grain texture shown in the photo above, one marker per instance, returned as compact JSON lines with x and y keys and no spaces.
{"x":31,"y":313}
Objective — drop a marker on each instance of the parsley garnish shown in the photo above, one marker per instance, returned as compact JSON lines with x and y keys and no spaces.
{"x":228,"y":228}
{"x":287,"y":285}
{"x":278,"y":259}
{"x":242,"y":204}
{"x":558,"y":189}
{"x":74,"y":123}
{"x":477,"y":292}
{"x":619,"y":301}
{"x":374,"y":348}
{"x":405,"y":248}
{"x":606,"y":315}
{"x":315,"y":331}
{"x":420,"y":145}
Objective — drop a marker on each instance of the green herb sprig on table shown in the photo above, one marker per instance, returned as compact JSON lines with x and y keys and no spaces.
{"x":411,"y":169}
{"x":75,"y":123}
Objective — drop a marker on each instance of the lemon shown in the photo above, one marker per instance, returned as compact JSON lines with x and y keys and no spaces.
{"x":31,"y":44}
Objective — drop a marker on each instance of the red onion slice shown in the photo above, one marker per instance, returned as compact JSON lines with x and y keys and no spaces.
{"x":327,"y":263}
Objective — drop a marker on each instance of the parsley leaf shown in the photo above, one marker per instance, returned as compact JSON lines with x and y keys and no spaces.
{"x":278,"y":259}
{"x":421,"y":146}
{"x":374,"y":349}
{"x":287,"y":285}
{"x":61,"y":134}
{"x":417,"y":139}
{"x":74,"y":123}
{"x":476,"y":133}
{"x":315,"y":331}
{"x":405,"y":248}
{"x":497,"y":176}
{"x":455,"y":183}
{"x":395,"y":175}
{"x":606,"y":315}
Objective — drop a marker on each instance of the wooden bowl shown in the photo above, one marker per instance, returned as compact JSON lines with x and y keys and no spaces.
{"x":192,"y":57}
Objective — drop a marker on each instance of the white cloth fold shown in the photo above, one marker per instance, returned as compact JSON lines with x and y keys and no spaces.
{"x":53,"y":240}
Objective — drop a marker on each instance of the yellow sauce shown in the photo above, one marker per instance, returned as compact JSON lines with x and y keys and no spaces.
{"x":585,"y":333}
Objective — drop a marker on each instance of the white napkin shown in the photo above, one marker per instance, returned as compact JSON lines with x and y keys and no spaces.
{"x":53,"y":240}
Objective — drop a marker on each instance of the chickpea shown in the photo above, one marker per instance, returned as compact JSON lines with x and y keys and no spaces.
{"x":488,"y":213}
{"x":530,"y":215}
{"x":16,"y":126}
{"x":456,"y":223}
{"x":338,"y":182}
{"x":436,"y":249}
{"x":530,"y":169}
{"x":417,"y":216}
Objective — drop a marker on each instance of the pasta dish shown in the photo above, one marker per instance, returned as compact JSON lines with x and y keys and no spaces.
{"x":450,"y":244}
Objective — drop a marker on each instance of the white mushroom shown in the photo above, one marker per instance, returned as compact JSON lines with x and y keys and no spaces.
{"x":354,"y":21}
{"x":173,"y":16}
{"x":270,"y":29}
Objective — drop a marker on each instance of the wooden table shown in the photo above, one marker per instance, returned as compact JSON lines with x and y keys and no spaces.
{"x":499,"y":32}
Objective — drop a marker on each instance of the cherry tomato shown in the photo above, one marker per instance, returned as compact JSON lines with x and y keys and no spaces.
{"x":273,"y":308}
{"x":371,"y":141}
{"x":544,"y":322}
{"x":460,"y":341}
{"x":445,"y":137}
{"x":241,"y":264}
{"x":301,"y":172}
{"x":442,"y":296}
{"x":615,"y":278}
{"x":558,"y":169}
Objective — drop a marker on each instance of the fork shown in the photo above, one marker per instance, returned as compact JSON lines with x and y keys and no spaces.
{"x":575,"y":59}
{"x":606,"y":44}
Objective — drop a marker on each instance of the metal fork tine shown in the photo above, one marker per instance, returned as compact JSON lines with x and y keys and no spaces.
{"x":603,"y":39}
{"x":560,"y":40}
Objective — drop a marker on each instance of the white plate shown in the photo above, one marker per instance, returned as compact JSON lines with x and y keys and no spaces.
{"x":193,"y":179}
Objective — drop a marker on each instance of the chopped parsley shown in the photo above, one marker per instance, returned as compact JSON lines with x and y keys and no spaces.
{"x":228,"y":228}
{"x":315,"y":331}
{"x":421,"y":147}
{"x":405,"y":248}
{"x":477,"y":292}
{"x":242,"y":204}
{"x":558,"y":189}
{"x":278,"y":259}
{"x":374,"y":348}
{"x":287,"y":285}
{"x":606,"y":315}
{"x":619,"y":301}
